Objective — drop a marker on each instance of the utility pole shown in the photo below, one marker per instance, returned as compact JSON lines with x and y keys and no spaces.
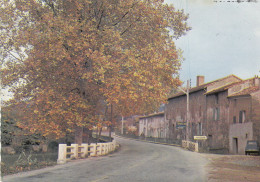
{"x":188,"y":110}
{"x":187,"y":92}
{"x":122,"y":129}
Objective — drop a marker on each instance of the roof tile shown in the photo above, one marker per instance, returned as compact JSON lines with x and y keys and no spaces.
{"x":203,"y":86}
{"x":245,"y":91}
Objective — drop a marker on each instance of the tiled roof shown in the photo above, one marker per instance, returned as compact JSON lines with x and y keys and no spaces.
{"x":246,"y":91}
{"x":225,"y":87}
{"x":151,"y":115}
{"x":201,"y":87}
{"x":222,"y":88}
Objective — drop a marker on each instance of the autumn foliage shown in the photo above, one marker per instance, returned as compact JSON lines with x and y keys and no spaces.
{"x":68,"y":61}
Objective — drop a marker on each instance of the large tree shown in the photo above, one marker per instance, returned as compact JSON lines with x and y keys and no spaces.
{"x":67,"y":61}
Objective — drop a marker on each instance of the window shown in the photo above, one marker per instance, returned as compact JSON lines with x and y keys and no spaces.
{"x":217,"y":98}
{"x":216,"y":114}
{"x":242,"y":116}
{"x":234,"y":119}
{"x":199,"y":131}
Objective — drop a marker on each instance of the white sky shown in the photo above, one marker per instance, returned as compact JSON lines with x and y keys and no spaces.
{"x":224,"y":40}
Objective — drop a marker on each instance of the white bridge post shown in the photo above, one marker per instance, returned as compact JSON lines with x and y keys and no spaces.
{"x":62,"y":154}
{"x":75,"y":151}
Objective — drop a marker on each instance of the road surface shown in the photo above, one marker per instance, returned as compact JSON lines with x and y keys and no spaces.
{"x":136,"y":161}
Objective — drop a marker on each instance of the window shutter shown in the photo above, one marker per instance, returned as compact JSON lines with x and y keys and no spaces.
{"x":217,"y":113}
{"x":234,"y":119}
{"x":240,"y":116}
{"x":214,"y":118}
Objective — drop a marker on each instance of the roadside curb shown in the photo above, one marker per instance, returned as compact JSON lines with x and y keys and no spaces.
{"x":175,"y":145}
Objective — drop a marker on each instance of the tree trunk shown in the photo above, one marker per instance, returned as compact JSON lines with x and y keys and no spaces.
{"x":110,"y":126}
{"x":99,"y":134}
{"x":110,"y":131}
{"x":87,"y":135}
{"x":78,"y":135}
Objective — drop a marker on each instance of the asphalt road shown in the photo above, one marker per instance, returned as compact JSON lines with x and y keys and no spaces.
{"x":135,"y":161}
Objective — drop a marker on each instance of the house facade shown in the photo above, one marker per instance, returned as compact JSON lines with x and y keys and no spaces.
{"x":226,"y":111}
{"x":244,"y":114}
{"x":153,"y":125}
{"x":202,"y":107}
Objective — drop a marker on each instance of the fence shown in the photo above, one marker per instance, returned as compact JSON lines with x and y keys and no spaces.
{"x":190,"y":145}
{"x":84,"y":150}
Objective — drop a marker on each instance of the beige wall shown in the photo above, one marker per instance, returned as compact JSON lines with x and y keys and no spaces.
{"x":240,"y":132}
{"x":153,"y":126}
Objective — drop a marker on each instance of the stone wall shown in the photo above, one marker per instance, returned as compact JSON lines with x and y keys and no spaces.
{"x":176,"y":112}
{"x":256,"y":115}
{"x":217,"y":123}
{"x":153,"y":126}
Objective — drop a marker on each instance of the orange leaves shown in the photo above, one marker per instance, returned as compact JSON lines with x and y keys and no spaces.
{"x":84,"y":55}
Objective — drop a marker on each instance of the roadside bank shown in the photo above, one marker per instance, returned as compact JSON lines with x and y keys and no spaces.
{"x":233,"y":168}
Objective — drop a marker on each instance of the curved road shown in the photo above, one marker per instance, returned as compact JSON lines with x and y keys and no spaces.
{"x":135,"y":161}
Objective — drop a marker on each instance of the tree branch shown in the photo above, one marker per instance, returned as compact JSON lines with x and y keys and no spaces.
{"x":15,"y":56}
{"x":121,"y":18}
{"x":66,"y":47}
{"x":51,"y":5}
{"x":125,"y":14}
{"x":100,"y":19}
{"x":129,"y":26}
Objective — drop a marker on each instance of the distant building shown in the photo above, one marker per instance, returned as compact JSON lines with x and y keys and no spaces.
{"x":153,"y":125}
{"x":131,"y":125}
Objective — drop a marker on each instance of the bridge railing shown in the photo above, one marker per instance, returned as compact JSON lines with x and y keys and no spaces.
{"x":75,"y":151}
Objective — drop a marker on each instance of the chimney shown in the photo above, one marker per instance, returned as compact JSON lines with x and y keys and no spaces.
{"x":200,"y":80}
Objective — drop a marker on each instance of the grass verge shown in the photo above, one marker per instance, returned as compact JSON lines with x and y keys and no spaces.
{"x":16,"y":163}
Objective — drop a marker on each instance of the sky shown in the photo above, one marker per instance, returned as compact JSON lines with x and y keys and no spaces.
{"x":224,"y":40}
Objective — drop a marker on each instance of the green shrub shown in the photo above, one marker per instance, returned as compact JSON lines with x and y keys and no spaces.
{"x":53,"y":146}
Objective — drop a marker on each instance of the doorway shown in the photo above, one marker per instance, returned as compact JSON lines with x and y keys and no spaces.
{"x":235,"y":145}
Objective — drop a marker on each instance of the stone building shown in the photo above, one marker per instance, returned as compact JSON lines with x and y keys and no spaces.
{"x":244,"y":114}
{"x":233,"y":115}
{"x":153,"y":125}
{"x":226,"y":111}
{"x":176,"y":109}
